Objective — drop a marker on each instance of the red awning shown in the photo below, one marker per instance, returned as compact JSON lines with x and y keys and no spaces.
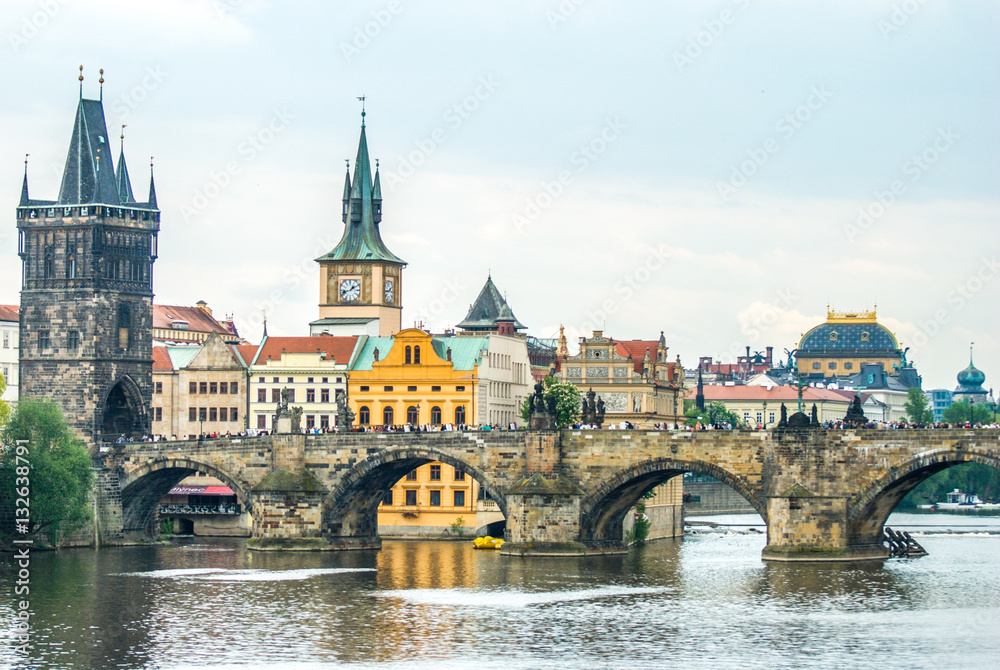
{"x":201,"y":491}
{"x":218,"y":491}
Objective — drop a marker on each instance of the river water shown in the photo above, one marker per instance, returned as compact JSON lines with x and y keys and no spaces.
{"x":706,"y":601}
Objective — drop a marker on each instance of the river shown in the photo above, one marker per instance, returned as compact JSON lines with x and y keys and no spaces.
{"x":707,"y":601}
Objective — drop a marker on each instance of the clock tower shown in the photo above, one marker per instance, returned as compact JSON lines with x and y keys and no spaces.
{"x":360,"y":291}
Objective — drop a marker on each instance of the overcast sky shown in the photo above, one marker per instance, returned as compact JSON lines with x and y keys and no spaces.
{"x":716,"y":170}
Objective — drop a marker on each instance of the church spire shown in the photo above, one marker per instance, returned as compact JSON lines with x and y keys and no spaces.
{"x":124,"y":183}
{"x":347,"y":190}
{"x":85,"y":179}
{"x":377,"y":197}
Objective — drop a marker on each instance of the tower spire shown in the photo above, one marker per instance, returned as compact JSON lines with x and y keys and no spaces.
{"x":124,"y":183}
{"x":347,"y":189}
{"x":152,"y":186}
{"x":101,"y":82}
{"x":81,"y":82}
{"x":25,"y":200}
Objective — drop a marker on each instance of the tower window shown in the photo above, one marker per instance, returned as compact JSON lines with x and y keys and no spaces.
{"x":43,"y":339}
{"x":416,"y":355}
{"x":407,"y":356}
{"x":73,"y":340}
{"x":48,"y":263}
{"x":124,"y":325}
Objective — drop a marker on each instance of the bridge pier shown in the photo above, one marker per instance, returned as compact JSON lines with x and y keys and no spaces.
{"x":803,"y":527}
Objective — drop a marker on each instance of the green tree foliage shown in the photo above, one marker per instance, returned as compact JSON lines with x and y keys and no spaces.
{"x":568,"y":399}
{"x":916,"y":406}
{"x":976,"y":478}
{"x":4,"y":407}
{"x":714,"y":413}
{"x":961,"y":412}
{"x":60,"y":472}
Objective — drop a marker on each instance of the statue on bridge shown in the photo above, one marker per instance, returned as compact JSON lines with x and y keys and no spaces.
{"x":345,"y":415}
{"x":281,"y":410}
{"x":855,"y":415}
{"x":542,"y":410}
{"x":592,"y":412}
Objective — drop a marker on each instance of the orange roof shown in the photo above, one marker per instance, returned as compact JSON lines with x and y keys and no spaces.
{"x":338,"y":348}
{"x":780,"y":393}
{"x":161,"y":359}
{"x":637,"y":350}
{"x":9,"y":313}
{"x":246,"y":352}
{"x":197,"y":319}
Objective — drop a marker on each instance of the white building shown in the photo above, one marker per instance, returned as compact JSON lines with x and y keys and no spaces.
{"x":9,"y":351}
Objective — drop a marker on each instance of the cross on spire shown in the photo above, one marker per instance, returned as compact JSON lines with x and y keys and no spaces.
{"x":362,"y":99}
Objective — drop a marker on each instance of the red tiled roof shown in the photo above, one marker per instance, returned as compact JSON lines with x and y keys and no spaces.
{"x":9,"y":313}
{"x":198,"y":320}
{"x":637,"y":350}
{"x":161,"y":359}
{"x":245,"y":351}
{"x":338,"y":348}
{"x":781,"y":393}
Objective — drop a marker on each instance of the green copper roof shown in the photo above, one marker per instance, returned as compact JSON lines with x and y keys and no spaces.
{"x":484,"y":312}
{"x":362,"y":215}
{"x":364,"y":359}
{"x":466,"y":352}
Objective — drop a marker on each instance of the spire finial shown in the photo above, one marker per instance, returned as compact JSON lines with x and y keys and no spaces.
{"x":122,"y":136}
{"x":81,"y":82}
{"x":101,"y":82}
{"x":26,"y":164}
{"x":362,"y":99}
{"x":970,"y":352}
{"x":347,"y":162}
{"x":150,"y":163}
{"x":376,"y":164}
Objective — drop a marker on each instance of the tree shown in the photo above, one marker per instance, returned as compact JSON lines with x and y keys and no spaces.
{"x":59,"y":471}
{"x":916,"y":406}
{"x":4,"y":407}
{"x":714,"y":413}
{"x":961,"y":411}
{"x":567,"y":398}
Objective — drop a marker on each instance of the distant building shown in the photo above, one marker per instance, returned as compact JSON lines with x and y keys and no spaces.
{"x":745,"y":368}
{"x":939,"y":400}
{"x":845,"y":342}
{"x":970,"y":384}
{"x":8,"y":351}
{"x":633,"y":377}
{"x":761,"y":405}
{"x":184,"y":325}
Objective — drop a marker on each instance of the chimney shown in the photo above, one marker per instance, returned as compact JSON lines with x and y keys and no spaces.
{"x":203,"y":306}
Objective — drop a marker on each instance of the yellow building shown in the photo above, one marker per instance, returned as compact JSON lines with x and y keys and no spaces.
{"x":844,"y":343}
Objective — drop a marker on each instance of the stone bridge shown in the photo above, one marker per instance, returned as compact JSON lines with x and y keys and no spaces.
{"x":824,"y":494}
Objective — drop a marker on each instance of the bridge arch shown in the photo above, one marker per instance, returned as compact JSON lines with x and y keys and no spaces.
{"x":870,"y":508}
{"x":351,"y":509}
{"x":143,"y":488}
{"x":603,"y":510}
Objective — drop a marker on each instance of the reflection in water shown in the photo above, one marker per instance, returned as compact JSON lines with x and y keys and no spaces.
{"x":705,"y":601}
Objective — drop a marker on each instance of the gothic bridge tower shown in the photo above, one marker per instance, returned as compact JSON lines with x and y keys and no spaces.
{"x":87,"y":288}
{"x":360,"y":289}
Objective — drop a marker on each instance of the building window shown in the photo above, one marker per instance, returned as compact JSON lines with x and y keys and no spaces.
{"x":43,"y":339}
{"x":387,"y":498}
{"x":387,"y":389}
{"x":260,"y":380}
{"x":310,"y":395}
{"x":364,"y":416}
{"x":460,"y":415}
{"x":232,"y":414}
{"x":202,"y":414}
{"x":326,"y":380}
{"x":158,"y":387}
{"x":223,"y":387}
{"x":848,"y":366}
{"x":459,"y":388}
{"x":234,"y":388}
{"x":746,"y":416}
{"x":309,"y":380}
{"x":387,"y":416}
{"x":770,"y":417}
{"x":275,"y":395}
{"x":310,"y":421}
{"x":435,"y":498}
{"x":6,"y":340}
{"x":411,"y":476}
{"x":213,"y":387}
{"x":407,"y":355}
{"x":324,"y":422}
{"x":291,"y":395}
{"x":411,"y":389}
{"x":435,"y":389}
{"x":363,"y":389}
{"x":261,"y":421}
{"x":223,"y":414}
{"x":73,"y":340}
{"x":411,"y":498}
{"x":324,"y":395}
{"x":261,"y":395}
{"x":412,"y":415}
{"x":291,"y":380}
{"x":192,"y":414}
{"x":435,"y":473}
{"x":760,"y":417}
{"x":274,"y":380}
{"x":459,"y":475}
{"x":159,"y":414}
{"x":435,"y":415}
{"x":459,"y":498}
{"x":416,"y":355}
{"x":192,"y":387}
{"x":833,"y":365}
{"x":213,"y":414}
{"x":202,"y":387}
{"x":816,"y":366}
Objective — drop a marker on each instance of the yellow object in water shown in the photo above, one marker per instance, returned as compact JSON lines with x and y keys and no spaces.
{"x":488,"y":542}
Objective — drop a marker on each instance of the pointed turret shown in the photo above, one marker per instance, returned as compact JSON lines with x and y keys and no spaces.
{"x":347,"y":191}
{"x":377,"y":197}
{"x":25,"y":200}
{"x":152,"y":188}
{"x":124,"y":183}
{"x":89,"y":175}
{"x":484,"y":312}
{"x":361,"y":240}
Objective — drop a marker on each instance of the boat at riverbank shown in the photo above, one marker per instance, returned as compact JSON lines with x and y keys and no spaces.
{"x":959,"y":501}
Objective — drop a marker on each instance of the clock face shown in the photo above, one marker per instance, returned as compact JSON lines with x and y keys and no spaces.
{"x":350,"y":289}
{"x":389,"y":288}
